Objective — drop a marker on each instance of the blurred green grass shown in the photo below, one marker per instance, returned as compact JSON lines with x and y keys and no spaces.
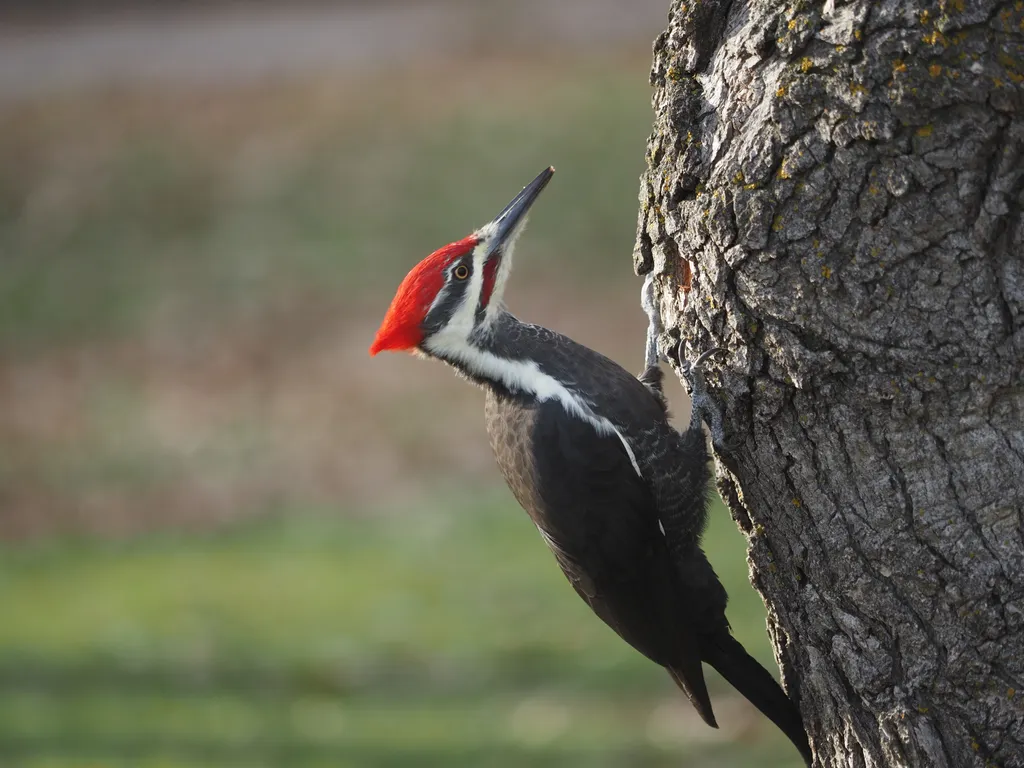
{"x":441,"y":635}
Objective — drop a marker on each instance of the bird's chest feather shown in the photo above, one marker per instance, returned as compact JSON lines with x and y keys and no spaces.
{"x":576,"y":483}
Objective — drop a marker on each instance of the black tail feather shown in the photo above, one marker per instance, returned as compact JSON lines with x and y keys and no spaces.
{"x":691,"y":682}
{"x":757,"y":684}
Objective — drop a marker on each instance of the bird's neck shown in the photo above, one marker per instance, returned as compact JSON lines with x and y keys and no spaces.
{"x":502,"y":356}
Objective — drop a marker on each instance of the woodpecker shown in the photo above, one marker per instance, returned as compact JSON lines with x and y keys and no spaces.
{"x":618,"y":495}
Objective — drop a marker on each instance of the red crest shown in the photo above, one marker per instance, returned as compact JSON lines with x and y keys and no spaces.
{"x":400,"y":329}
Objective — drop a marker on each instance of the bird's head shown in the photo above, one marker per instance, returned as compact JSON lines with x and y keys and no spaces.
{"x":457,"y":289}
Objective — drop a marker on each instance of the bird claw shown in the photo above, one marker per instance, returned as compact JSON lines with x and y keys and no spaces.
{"x":692,"y":370}
{"x":704,"y":409}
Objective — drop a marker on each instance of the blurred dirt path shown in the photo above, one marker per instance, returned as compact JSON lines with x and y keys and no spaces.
{"x":194,"y":46}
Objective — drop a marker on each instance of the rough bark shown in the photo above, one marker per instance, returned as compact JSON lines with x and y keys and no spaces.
{"x":834,"y":193}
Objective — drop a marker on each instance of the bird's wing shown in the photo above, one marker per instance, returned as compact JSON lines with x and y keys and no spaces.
{"x":601,"y":522}
{"x":673,"y":465}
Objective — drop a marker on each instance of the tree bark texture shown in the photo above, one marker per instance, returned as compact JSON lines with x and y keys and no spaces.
{"x":834,"y":194}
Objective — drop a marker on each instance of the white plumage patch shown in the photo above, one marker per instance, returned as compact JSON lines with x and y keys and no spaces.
{"x":525,"y":376}
{"x":629,"y":451}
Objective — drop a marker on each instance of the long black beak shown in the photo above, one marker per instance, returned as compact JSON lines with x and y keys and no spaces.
{"x":509,"y":219}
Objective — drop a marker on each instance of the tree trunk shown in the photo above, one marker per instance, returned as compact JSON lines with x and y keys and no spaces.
{"x":834,"y":194}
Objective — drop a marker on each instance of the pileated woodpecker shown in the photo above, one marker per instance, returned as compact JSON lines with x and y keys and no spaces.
{"x":618,"y":495}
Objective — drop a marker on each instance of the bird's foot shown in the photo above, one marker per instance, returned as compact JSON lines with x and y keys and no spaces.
{"x":704,"y":408}
{"x":654,"y":326}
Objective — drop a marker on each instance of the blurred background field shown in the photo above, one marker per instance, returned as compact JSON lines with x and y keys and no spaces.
{"x":230,"y":538}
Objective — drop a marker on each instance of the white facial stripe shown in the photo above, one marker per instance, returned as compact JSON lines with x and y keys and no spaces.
{"x":504,"y":269}
{"x":525,"y":376}
{"x":479,"y":257}
{"x":462,"y":320}
{"x":486,"y":233}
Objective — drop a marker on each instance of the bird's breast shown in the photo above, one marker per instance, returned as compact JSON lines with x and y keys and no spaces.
{"x":570,"y":476}
{"x":511,"y":426}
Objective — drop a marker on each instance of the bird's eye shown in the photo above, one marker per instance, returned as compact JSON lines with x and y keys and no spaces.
{"x":461,"y":272}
